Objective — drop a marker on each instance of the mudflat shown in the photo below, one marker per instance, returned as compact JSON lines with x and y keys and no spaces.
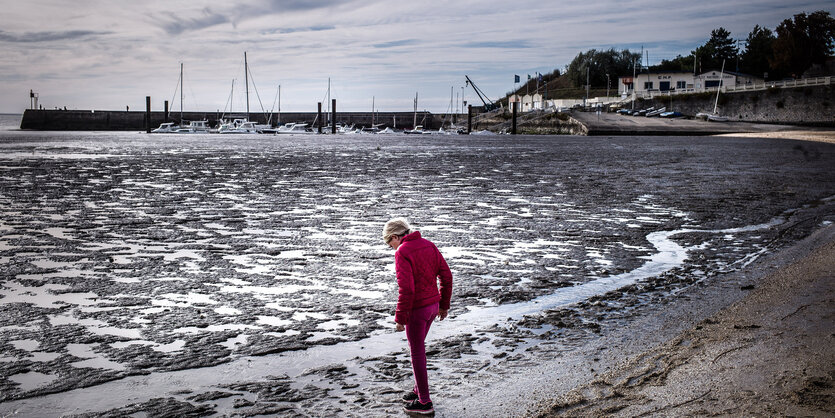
{"x":770,"y":354}
{"x":245,"y":275}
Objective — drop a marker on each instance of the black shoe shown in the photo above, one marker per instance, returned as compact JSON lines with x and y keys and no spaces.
{"x":419,"y":408}
{"x":411,"y":396}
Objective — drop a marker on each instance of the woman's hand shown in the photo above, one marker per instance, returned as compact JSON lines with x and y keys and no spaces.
{"x":442,"y":313}
{"x":400,"y":328}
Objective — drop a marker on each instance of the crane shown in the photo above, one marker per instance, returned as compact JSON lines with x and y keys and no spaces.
{"x":488,"y":104}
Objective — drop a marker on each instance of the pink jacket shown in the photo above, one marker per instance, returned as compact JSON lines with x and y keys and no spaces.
{"x":419,"y":264}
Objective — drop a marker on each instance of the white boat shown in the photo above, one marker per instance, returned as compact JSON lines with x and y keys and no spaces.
{"x":194,"y":127}
{"x":294,"y":128}
{"x":387,"y":131}
{"x":418,"y":130}
{"x":239,"y":126}
{"x":166,"y":128}
{"x":375,"y":128}
{"x":715,"y":117}
{"x":656,"y":112}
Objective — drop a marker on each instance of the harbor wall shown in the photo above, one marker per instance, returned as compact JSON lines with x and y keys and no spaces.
{"x":813,"y":105}
{"x":109,"y":120}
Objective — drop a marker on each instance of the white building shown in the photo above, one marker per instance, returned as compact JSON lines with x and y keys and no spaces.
{"x":532,"y":102}
{"x":514,"y":98}
{"x":672,"y":81}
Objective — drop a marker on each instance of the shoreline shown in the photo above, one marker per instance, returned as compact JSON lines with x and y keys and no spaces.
{"x":769,"y":353}
{"x":620,"y":375}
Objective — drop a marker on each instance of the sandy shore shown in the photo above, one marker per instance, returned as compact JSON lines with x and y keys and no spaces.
{"x":818,"y":135}
{"x":772,"y":353}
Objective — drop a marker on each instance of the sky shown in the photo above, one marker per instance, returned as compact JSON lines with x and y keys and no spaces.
{"x":109,"y":54}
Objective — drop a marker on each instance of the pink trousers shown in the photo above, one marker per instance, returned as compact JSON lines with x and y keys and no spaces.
{"x":419,"y":323}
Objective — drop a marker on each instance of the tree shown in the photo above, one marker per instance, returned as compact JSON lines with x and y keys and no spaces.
{"x":758,"y":50}
{"x":678,"y":63}
{"x":596,"y":64}
{"x":803,"y":41}
{"x":720,"y":47}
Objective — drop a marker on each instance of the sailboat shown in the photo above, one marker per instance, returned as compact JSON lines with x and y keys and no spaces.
{"x":238,"y":125}
{"x":416,"y":129}
{"x":715,"y":117}
{"x":244,"y":125}
{"x":192,"y":127}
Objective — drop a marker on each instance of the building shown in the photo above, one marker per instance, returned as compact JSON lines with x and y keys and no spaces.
{"x":682,"y":82}
{"x":514,"y":98}
{"x":531,"y":102}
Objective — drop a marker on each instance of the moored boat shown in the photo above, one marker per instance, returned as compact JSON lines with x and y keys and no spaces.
{"x":293,"y":128}
{"x":194,"y":127}
{"x":166,"y":128}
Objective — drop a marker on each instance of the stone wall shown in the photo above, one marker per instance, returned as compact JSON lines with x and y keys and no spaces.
{"x":813,"y":105}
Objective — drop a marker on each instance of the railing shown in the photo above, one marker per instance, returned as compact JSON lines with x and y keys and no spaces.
{"x":802,"y":82}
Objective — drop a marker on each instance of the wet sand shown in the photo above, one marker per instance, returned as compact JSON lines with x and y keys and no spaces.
{"x":770,"y":354}
{"x":815,"y":135}
{"x":245,"y":276}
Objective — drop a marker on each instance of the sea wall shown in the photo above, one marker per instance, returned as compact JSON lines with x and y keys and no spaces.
{"x":813,"y":105}
{"x":108,"y":120}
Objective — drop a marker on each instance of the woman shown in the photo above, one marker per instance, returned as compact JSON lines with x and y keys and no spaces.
{"x":418,"y":264}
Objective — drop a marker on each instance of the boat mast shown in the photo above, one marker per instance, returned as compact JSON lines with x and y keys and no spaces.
{"x":181,"y":94}
{"x":246,"y":80}
{"x":278,"y":121}
{"x":414,"y":121}
{"x":329,"y":100}
{"x":450,"y":106}
{"x":718,"y":89}
{"x":372,"y":111}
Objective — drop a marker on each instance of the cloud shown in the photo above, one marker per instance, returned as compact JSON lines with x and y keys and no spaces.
{"x":300,"y":29}
{"x":179,"y":24}
{"x":29,"y":37}
{"x":393,"y":44}
{"x":498,"y":44}
{"x":303,"y":5}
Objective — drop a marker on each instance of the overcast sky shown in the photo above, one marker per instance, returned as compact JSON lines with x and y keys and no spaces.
{"x":108,"y":54}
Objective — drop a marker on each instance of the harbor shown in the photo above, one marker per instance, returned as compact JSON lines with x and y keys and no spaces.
{"x":109,"y":120}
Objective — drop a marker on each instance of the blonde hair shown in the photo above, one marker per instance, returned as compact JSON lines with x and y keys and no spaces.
{"x":396,"y":227}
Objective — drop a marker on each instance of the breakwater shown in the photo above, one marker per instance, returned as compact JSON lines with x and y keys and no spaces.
{"x":110,"y":120}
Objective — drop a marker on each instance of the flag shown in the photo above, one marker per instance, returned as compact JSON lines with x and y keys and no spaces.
{"x":515,"y":78}
{"x":529,"y":76}
{"x":540,"y":78}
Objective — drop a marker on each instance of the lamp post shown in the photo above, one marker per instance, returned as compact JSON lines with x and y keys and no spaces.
{"x":607,"y":86}
{"x":634,"y":83}
{"x":588,"y":66}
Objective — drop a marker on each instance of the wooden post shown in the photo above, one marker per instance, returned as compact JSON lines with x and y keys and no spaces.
{"x":166,"y":111}
{"x":469,"y":119}
{"x":319,"y":117}
{"x":148,"y":114}
{"x":513,"y":129}
{"x":333,"y":117}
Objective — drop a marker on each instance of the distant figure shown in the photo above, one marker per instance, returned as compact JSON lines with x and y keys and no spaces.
{"x":127,"y":108}
{"x":418,"y":265}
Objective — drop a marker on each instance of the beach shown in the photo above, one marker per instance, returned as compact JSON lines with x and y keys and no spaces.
{"x":235,"y":275}
{"x":769,"y":354}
